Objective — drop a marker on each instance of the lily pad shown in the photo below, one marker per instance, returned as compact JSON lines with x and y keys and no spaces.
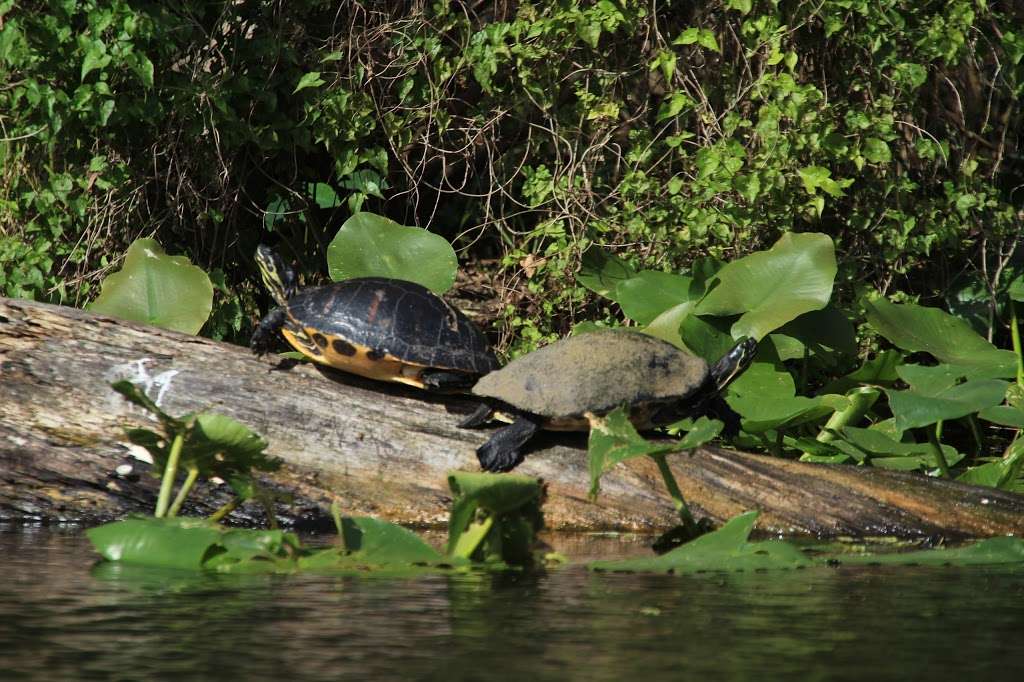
{"x":1002,"y":550}
{"x":369,"y":245}
{"x":154,"y":288}
{"x":168,"y":543}
{"x":726,"y":549}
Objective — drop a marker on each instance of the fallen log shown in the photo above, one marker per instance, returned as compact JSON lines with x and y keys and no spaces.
{"x":385,"y":450}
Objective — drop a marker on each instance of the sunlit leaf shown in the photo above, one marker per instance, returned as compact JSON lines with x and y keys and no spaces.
{"x":614,"y":439}
{"x":309,"y":80}
{"x":650,"y":293}
{"x":765,"y":398}
{"x":374,"y":541}
{"x":666,"y":325}
{"x":770,"y":288}
{"x":1016,"y":289}
{"x":369,"y":245}
{"x":877,"y":151}
{"x":727,"y":549}
{"x":913,"y":410}
{"x":154,"y":288}
{"x":947,"y":338}
{"x":168,"y":543}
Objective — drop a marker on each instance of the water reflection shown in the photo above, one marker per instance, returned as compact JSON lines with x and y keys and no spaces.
{"x":63,"y":619}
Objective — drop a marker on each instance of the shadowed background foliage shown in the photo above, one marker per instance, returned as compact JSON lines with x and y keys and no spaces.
{"x":524,"y":133}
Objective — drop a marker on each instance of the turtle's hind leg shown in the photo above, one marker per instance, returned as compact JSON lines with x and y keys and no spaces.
{"x":443,"y":380}
{"x":480,"y":416}
{"x":503,"y":451}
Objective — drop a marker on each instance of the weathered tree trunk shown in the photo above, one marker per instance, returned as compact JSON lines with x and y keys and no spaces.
{"x":384,"y":450}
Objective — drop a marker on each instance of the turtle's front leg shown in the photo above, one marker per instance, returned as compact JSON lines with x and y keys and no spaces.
{"x":263,"y":338}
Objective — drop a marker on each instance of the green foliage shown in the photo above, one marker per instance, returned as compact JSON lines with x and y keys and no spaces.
{"x":729,"y":549}
{"x":613,"y":439}
{"x":526,"y":134}
{"x":770,"y":288}
{"x":154,"y":288}
{"x":726,"y":549}
{"x":369,"y":245}
{"x":203,"y":445}
{"x":889,"y":413}
{"x":493,"y":523}
{"x":494,"y":517}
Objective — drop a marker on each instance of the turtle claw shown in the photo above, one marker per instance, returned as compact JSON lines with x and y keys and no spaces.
{"x":492,"y":458}
{"x":503,"y":451}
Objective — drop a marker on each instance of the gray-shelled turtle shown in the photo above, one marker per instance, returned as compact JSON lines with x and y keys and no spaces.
{"x":566,"y":384}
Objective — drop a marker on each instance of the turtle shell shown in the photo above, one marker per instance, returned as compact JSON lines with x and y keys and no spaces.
{"x":595,"y":372}
{"x":385,"y":321}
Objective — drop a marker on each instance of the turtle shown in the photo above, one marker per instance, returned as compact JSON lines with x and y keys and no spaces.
{"x":567,"y":385}
{"x":376,"y":327}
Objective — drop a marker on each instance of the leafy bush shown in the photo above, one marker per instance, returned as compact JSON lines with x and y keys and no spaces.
{"x":524,"y":132}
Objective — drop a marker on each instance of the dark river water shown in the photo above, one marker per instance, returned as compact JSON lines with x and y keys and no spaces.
{"x":64,"y":618}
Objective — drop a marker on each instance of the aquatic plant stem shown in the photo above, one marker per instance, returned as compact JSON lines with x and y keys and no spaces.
{"x":224,"y":510}
{"x":170,"y":473}
{"x":940,"y":458}
{"x":183,"y":491}
{"x":861,"y":400}
{"x":1015,"y":338}
{"x":677,"y":496}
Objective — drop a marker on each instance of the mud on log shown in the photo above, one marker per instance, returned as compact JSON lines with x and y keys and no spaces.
{"x":384,"y":450}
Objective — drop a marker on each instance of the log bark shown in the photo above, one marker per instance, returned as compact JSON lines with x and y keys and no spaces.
{"x":385,"y":450}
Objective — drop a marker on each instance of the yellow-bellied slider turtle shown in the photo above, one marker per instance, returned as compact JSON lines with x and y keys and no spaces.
{"x":380,"y":328}
{"x":565,"y":385}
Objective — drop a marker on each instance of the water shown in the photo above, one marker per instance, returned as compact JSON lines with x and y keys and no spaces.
{"x":61,"y":618}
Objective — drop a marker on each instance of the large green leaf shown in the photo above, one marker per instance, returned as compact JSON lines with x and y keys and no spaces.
{"x":1006,"y":415}
{"x":650,"y":293}
{"x":765,"y":397}
{"x":913,"y":409}
{"x":168,"y":543}
{"x":666,"y":326}
{"x":826,"y":334}
{"x":770,"y":288}
{"x":372,"y":541}
{"x":1000,"y":473}
{"x":949,"y":339}
{"x":154,"y":288}
{"x":601,"y":271}
{"x":369,"y":245}
{"x":726,"y":549}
